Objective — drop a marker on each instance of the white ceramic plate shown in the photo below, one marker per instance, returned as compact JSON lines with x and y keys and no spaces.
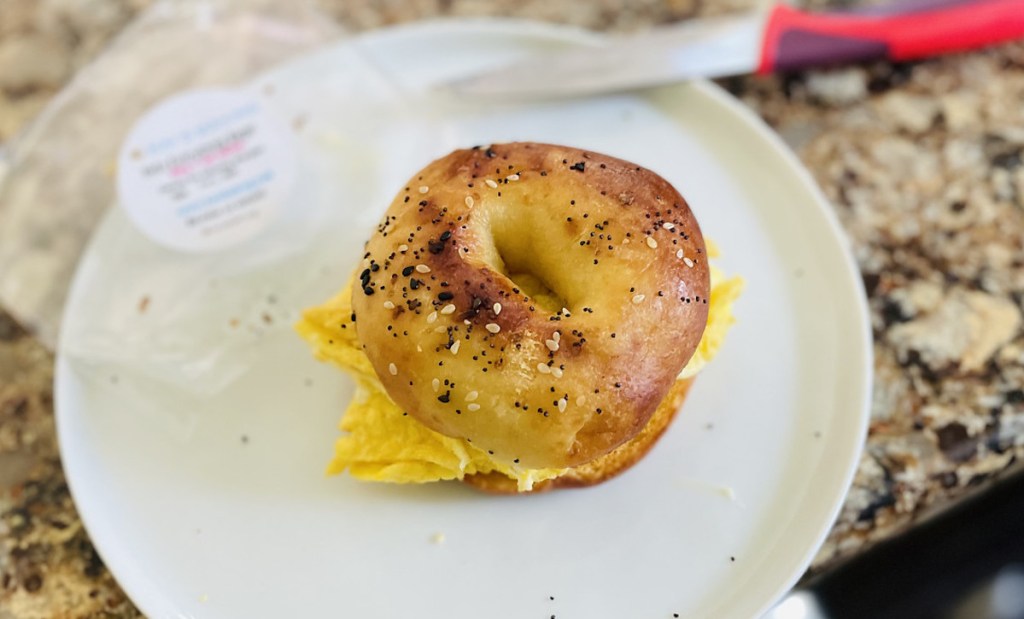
{"x":718,"y":521}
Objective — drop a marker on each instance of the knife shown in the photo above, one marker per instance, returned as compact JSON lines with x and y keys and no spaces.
{"x":779,"y":39}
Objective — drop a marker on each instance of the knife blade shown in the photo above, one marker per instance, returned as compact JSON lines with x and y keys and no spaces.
{"x":780,"y":39}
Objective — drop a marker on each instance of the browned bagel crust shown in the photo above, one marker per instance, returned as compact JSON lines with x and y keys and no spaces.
{"x":607,"y":466}
{"x":462,"y":347}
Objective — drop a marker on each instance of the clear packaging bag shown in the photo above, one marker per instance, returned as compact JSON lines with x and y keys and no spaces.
{"x":177,"y":312}
{"x":59,"y":179}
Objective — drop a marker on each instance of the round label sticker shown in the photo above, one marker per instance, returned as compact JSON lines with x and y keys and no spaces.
{"x":205,"y":170}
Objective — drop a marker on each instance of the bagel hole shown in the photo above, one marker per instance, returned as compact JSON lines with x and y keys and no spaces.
{"x":526,"y":267}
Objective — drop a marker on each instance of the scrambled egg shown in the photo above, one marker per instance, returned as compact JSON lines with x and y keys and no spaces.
{"x":724,"y":293}
{"x":382,"y":443}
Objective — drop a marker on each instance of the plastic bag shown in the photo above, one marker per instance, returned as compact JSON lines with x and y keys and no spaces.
{"x":143,"y":298}
{"x":59,"y":181}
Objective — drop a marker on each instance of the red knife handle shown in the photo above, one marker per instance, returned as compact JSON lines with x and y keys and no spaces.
{"x":796,"y":39}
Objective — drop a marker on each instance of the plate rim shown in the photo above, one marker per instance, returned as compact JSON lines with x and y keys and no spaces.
{"x":852,"y":273}
{"x":140,"y":591}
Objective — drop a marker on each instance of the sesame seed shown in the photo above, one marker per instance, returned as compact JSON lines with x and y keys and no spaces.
{"x":679,"y":254}
{"x":474,"y":407}
{"x":435,"y":385}
{"x":403,"y":248}
{"x":651,"y":242}
{"x":455,"y":347}
{"x":512,"y":177}
{"x":393,"y":369}
{"x":492,"y":327}
{"x":491,"y":184}
{"x":556,"y":372}
{"x":424,"y":189}
{"x":431,"y":317}
{"x":638,"y":298}
{"x":448,"y":309}
{"x":565,"y":312}
{"x":469,"y":201}
{"x":552,"y":345}
{"x":497,"y":308}
{"x":472,"y":395}
{"x":668,"y":226}
{"x":422,"y":268}
{"x":543,"y":368}
{"x":561,"y":405}
{"x":557,"y":336}
{"x":688,"y":262}
{"x":389,"y":305}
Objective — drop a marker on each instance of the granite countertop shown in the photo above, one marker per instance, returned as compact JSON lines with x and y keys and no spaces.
{"x":922,"y":162}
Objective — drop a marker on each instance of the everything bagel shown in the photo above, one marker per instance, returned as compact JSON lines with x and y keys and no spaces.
{"x":537,"y":301}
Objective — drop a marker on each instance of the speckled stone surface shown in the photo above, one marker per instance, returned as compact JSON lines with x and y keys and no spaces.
{"x":922,"y":162}
{"x":923,"y":165}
